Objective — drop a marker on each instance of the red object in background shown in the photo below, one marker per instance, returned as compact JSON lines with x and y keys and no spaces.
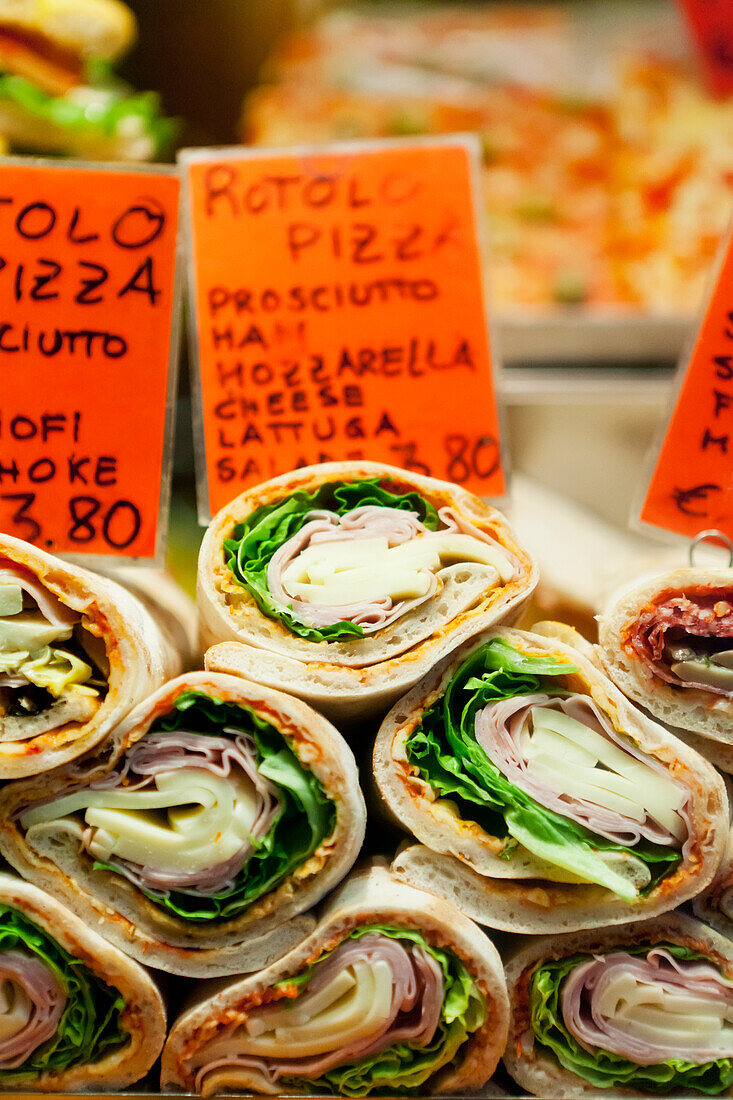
{"x":712,"y":26}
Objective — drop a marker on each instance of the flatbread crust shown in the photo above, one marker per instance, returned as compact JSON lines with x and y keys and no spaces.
{"x":714,"y":904}
{"x":688,"y":708}
{"x":538,"y":1071}
{"x":368,"y":895}
{"x":458,"y":860}
{"x":356,"y":678}
{"x":125,"y":916}
{"x":172,"y":608}
{"x":143,"y":1017}
{"x":140,"y":656}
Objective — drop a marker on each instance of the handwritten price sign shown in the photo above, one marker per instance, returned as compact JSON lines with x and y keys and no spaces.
{"x":340,"y":312}
{"x":87,"y":262}
{"x":691,"y":488}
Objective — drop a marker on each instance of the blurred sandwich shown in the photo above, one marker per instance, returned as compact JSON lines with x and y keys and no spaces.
{"x":58,"y":93}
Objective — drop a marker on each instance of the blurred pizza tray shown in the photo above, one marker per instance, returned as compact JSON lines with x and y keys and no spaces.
{"x":592,"y":338}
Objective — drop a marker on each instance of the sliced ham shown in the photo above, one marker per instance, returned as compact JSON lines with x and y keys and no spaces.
{"x":52,"y":609}
{"x":31,"y":1004}
{"x":502,"y":730}
{"x":367,"y":522}
{"x":413,"y":1015}
{"x":704,"y":614}
{"x":650,"y":1008}
{"x":157,"y":753}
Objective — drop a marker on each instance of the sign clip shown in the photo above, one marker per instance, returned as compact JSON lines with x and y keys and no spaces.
{"x":710,"y":536}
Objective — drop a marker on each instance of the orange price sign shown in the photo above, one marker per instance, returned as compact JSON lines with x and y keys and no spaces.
{"x":88,"y":344}
{"x":340,"y":312}
{"x":711,"y":22}
{"x":691,"y":487}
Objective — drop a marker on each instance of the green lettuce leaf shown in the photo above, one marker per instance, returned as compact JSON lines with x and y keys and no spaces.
{"x":250,"y":549}
{"x":90,"y":1023}
{"x":306,"y":818}
{"x":444,"y":749}
{"x":602,"y":1068}
{"x":405,"y":1066}
{"x":109,"y":114}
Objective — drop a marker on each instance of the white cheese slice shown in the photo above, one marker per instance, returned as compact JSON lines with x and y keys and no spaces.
{"x":304,"y":1008}
{"x":353,"y":1005}
{"x":30,"y":631}
{"x":455,"y":548}
{"x":605,"y":774}
{"x":367,"y":584}
{"x":15,"y":1008}
{"x":353,"y":570}
{"x":192,"y":820}
{"x":11,"y":599}
{"x":657,"y":1014}
{"x":321,"y":559}
{"x":238,"y":1080}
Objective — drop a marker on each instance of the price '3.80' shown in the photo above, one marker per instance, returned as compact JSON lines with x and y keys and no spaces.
{"x":117,"y":524}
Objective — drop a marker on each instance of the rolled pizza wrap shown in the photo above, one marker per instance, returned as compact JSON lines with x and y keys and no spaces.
{"x":647,"y":1008}
{"x":667,"y":642}
{"x":77,"y":652}
{"x":172,"y":608}
{"x":223,"y":812}
{"x":394,"y":989}
{"x":75,"y":1013}
{"x":543,"y":800}
{"x":344,"y":583}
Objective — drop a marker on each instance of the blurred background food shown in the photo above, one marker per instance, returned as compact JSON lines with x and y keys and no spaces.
{"x":607,"y":169}
{"x":59,"y":93}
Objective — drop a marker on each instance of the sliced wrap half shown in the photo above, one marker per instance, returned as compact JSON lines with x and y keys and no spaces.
{"x":223,"y":811}
{"x":394,"y":989}
{"x":346,"y":582}
{"x":77,"y":652}
{"x":543,"y":800}
{"x":639,"y":1010}
{"x":715,"y":904}
{"x":667,"y":642}
{"x":76,"y":1014}
{"x":171,"y":607}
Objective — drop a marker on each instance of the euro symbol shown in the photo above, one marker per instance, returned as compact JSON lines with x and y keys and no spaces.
{"x":683,"y":498}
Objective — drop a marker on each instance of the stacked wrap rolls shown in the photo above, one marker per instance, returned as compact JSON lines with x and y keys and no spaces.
{"x":394,"y":989}
{"x":344,"y":583}
{"x":667,"y":642}
{"x":75,"y":1013}
{"x":544,"y":801}
{"x":221,"y":812}
{"x":638,"y":1010}
{"x":77,"y":652}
